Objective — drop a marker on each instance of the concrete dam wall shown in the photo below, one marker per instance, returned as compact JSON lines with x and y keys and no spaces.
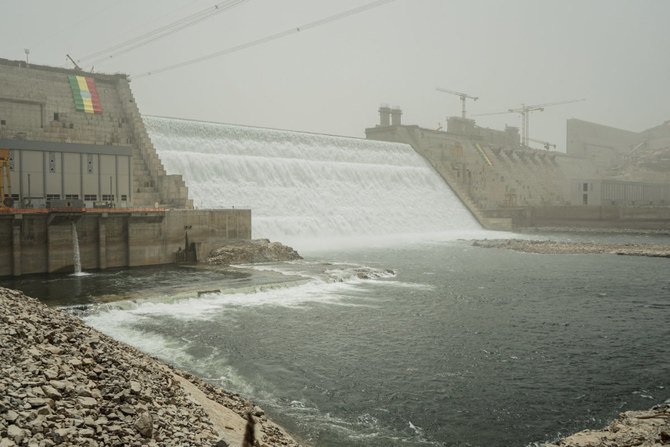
{"x":507,"y":185}
{"x":304,"y":186}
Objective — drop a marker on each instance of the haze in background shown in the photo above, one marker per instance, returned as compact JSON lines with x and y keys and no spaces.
{"x":332,"y":79}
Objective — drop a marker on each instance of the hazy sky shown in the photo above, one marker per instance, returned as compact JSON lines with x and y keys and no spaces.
{"x":332,"y":79}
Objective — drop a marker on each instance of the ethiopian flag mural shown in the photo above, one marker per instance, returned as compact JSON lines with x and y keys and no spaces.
{"x":85,"y":94}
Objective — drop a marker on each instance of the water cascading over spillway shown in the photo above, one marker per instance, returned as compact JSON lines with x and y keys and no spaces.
{"x":309,"y":186}
{"x":76,"y":259}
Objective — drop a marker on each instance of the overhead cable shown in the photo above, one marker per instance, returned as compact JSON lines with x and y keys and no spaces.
{"x":269,"y":38}
{"x":161,"y":32}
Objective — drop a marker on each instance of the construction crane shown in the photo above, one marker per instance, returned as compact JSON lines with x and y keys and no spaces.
{"x":76,"y":66}
{"x":463,"y":97}
{"x":5,"y":180}
{"x":546,"y":144}
{"x":525,"y":110}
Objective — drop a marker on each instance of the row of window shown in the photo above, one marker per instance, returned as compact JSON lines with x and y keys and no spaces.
{"x":57,"y":118}
{"x":52,"y":163}
{"x":89,"y":197}
{"x":92,"y":197}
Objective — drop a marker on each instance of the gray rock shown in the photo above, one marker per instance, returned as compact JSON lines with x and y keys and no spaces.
{"x":145,"y":425}
{"x":39,"y":402}
{"x":88,"y":420}
{"x":127,"y":409}
{"x":135,"y":387}
{"x":51,"y":373}
{"x":51,"y":392}
{"x":60,"y":384}
{"x":15,"y":433}
{"x":86,"y":432}
{"x":257,"y":250}
{"x":44,"y":410}
{"x":87,"y":402}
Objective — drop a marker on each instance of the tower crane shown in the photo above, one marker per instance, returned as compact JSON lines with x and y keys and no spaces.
{"x":525,"y":110}
{"x":463,"y":97}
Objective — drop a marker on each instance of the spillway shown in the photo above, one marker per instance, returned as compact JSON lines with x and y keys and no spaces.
{"x":303,"y":186}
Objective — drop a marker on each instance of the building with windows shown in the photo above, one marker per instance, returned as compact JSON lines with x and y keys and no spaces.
{"x":77,"y":168}
{"x":72,"y":135}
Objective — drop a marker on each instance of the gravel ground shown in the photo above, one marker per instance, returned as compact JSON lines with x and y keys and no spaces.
{"x":64,"y":383}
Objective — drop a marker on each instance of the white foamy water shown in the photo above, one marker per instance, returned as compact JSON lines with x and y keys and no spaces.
{"x":303,"y":186}
{"x":123,"y":320}
{"x":75,"y":250}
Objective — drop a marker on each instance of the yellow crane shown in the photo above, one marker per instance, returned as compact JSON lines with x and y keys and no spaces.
{"x":5,"y":180}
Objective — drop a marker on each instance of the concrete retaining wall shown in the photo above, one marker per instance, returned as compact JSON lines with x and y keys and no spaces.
{"x":41,"y":242}
{"x":638,"y":218}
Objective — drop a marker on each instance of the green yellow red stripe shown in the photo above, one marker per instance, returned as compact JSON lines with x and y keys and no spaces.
{"x":85,"y":94}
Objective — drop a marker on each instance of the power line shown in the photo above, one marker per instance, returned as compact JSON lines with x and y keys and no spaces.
{"x":270,"y":38}
{"x":161,"y":32}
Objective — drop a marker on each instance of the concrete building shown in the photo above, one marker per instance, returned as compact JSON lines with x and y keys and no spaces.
{"x":590,"y":192}
{"x":505,"y":184}
{"x":75,"y":135}
{"x":75,"y":158}
{"x":605,"y":146}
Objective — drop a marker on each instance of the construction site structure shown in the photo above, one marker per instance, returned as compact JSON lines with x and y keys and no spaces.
{"x":524,"y":112}
{"x":461,"y":95}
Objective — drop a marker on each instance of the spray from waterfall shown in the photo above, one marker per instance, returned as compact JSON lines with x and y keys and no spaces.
{"x":75,"y":250}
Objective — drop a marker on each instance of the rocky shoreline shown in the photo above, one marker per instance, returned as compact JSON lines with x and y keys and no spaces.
{"x":649,"y":428}
{"x":555,"y":247}
{"x":64,"y":383}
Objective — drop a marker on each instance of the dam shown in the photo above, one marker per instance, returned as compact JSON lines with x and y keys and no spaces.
{"x":75,"y":150}
{"x":304,"y":186}
{"x":608,"y":178}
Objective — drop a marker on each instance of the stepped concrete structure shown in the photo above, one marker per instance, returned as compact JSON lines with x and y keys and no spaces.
{"x":74,"y":150}
{"x":59,"y":152}
{"x":603,"y":181}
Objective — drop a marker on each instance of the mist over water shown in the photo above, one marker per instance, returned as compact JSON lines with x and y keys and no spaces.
{"x":305,"y":187}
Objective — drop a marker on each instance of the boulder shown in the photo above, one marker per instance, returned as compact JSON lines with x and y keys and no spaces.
{"x":145,"y":425}
{"x":252,"y":251}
